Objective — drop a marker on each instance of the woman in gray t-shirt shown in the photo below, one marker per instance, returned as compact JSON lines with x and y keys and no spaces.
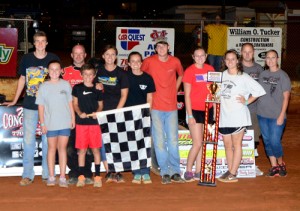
{"x":271,"y":111}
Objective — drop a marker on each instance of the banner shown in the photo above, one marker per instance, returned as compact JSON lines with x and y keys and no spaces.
{"x":8,"y":52}
{"x":247,"y":165}
{"x":262,"y":38}
{"x":11,"y":142}
{"x":142,"y":40}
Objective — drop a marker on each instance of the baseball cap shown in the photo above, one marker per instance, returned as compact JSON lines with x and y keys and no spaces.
{"x":161,"y":40}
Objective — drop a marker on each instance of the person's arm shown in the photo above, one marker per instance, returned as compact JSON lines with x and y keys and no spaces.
{"x":100,"y":108}
{"x":72,"y":114}
{"x":20,"y":87}
{"x":41,"y":110}
{"x":77,"y":109}
{"x":243,"y":100}
{"x":122,"y":101}
{"x":178,"y":82}
{"x":149,"y":99}
{"x":188,"y":105}
{"x":286,"y":97}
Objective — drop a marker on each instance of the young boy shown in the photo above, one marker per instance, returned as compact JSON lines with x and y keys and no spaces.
{"x":87,"y":100}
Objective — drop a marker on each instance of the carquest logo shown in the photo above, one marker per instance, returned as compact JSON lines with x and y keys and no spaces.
{"x":5,"y":53}
{"x":130,"y":38}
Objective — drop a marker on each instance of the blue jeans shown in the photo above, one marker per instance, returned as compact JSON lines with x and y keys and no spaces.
{"x":271,"y":133}
{"x":215,"y":61}
{"x":30,"y":120}
{"x":103,"y":153}
{"x":141,"y":171}
{"x":165,"y":139}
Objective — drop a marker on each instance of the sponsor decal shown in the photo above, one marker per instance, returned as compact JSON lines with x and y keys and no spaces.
{"x":129,"y":38}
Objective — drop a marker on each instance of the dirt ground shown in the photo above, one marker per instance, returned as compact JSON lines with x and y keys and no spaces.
{"x":261,"y":193}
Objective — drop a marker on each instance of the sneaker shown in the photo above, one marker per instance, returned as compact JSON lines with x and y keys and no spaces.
{"x":63,"y":182}
{"x":229,"y":179}
{"x":166,"y":179}
{"x":223,"y":176}
{"x":109,"y":177}
{"x":137,"y":179}
{"x":188,"y":176}
{"x":155,"y":171}
{"x":274,"y":171}
{"x":89,"y":181}
{"x":81,"y":181}
{"x":258,"y":171}
{"x":73,"y":181}
{"x":282,"y":170}
{"x":146,"y":179}
{"x":25,"y":181}
{"x":255,"y":153}
{"x":197,"y":176}
{"x":177,"y":178}
{"x":51,"y":181}
{"x":97,"y":182}
{"x":119,"y":178}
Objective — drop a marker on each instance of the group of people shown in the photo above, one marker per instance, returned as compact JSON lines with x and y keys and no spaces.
{"x":66,"y":108}
{"x":250,"y":98}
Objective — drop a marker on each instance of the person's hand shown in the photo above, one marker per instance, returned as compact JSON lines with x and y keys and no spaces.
{"x":191,"y":121}
{"x":94,"y":115}
{"x":280,"y":120}
{"x":241,"y":99}
{"x":8,"y":104}
{"x":73,"y":124}
{"x":83,"y":115}
{"x":44,"y":129}
{"x":99,"y":86}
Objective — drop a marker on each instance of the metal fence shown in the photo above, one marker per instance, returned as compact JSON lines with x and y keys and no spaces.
{"x":186,"y":37}
{"x":24,"y":31}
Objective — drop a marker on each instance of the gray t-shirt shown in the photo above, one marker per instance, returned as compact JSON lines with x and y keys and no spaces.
{"x":275,"y":84}
{"x":55,"y":97}
{"x":254,"y":71}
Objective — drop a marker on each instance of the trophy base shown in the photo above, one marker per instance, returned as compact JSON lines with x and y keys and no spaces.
{"x":209,"y":184}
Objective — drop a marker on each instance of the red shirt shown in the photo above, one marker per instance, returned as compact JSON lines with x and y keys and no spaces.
{"x":164,"y":75}
{"x":198,"y":80}
{"x":73,"y":75}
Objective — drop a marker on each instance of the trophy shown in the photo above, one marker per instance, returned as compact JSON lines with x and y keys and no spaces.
{"x":214,"y":87}
{"x":211,"y":132}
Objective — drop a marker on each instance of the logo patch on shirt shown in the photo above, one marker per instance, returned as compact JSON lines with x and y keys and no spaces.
{"x":110,"y":81}
{"x":143,"y":87}
{"x":86,"y":93}
{"x":201,"y":77}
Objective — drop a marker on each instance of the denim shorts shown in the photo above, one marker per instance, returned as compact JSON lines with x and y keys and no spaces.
{"x":55,"y":133}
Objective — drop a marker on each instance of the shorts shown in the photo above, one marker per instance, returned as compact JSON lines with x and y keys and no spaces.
{"x":55,"y":133}
{"x":88,"y":136}
{"x":230,"y":130}
{"x":200,"y":116}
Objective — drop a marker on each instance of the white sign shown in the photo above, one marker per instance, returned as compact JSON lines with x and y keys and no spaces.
{"x":247,"y":165}
{"x":262,"y":38}
{"x":142,"y":40}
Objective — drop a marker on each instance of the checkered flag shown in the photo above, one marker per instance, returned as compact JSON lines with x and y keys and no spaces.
{"x":126,"y":135}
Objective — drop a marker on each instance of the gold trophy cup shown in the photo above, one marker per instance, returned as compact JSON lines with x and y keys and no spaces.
{"x":213,"y":88}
